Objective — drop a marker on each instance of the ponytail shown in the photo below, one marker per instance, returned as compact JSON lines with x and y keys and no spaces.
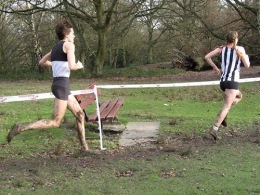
{"x":231,"y":38}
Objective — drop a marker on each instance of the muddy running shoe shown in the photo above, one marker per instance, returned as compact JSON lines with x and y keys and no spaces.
{"x":15,"y":130}
{"x":88,"y":152}
{"x":214,"y":134}
{"x":91,"y":152}
{"x":224,"y":122}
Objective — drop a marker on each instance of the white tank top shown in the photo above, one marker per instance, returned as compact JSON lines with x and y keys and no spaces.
{"x":59,"y":61}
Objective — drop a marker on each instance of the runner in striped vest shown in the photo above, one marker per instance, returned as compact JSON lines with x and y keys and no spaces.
{"x":232,"y":56}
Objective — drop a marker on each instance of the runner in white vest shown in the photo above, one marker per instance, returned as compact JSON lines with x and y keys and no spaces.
{"x":62,"y":60}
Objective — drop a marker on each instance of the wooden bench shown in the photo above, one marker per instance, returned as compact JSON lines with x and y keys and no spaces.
{"x":108,"y":109}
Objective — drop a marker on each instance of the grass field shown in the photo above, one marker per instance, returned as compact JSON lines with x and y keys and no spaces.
{"x":184,"y":161}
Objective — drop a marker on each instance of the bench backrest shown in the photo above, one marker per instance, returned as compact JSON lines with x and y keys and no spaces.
{"x":87,"y":99}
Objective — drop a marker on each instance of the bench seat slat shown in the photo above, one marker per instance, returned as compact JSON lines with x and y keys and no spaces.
{"x":114,"y":111}
{"x":94,"y":116}
{"x":106,"y":111}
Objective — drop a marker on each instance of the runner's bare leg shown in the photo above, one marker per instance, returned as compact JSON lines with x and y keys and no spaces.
{"x":238,"y":98}
{"x":60,"y":107}
{"x":75,"y":108}
{"x":58,"y":113}
{"x":229,"y":98}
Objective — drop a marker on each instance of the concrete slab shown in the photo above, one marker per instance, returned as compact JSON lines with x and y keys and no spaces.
{"x":115,"y":127}
{"x":139,"y":133}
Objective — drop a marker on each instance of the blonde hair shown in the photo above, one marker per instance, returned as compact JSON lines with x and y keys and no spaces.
{"x":231,"y":38}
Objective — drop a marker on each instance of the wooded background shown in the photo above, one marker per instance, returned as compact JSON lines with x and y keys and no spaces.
{"x":120,"y":33}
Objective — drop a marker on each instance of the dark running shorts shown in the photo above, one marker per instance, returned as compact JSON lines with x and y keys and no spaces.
{"x":60,"y":88}
{"x":228,"y":85}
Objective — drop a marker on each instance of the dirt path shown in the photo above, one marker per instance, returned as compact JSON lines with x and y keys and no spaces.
{"x":188,"y":76}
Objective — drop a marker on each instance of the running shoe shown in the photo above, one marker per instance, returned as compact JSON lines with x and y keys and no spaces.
{"x":15,"y":130}
{"x":214,"y":134}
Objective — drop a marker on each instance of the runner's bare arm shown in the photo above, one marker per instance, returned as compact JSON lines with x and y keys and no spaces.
{"x":46,"y":60}
{"x":243,"y":56}
{"x":209,"y":56}
{"x":70,"y":50}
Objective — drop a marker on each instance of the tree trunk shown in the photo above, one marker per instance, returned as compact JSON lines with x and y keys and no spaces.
{"x":124,"y":57}
{"x":258,"y":17}
{"x":114,"y":63}
{"x":101,"y":52}
{"x":150,"y":53}
{"x":150,"y":40}
{"x":37,"y":50}
{"x":110,"y":57}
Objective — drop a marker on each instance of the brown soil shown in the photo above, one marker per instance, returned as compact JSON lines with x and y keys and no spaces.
{"x":189,"y":76}
{"x":181,"y":144}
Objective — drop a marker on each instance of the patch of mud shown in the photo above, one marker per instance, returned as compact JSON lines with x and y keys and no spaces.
{"x":178,"y":144}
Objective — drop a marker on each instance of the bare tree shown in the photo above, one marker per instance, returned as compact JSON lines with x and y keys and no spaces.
{"x":74,"y":9}
{"x":150,"y":16}
{"x":11,"y":54}
{"x":191,"y":26}
{"x":100,"y":15}
{"x":258,"y":16}
{"x":183,"y":29}
{"x":34,"y":21}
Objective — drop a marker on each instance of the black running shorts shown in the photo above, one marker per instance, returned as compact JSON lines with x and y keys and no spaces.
{"x":60,"y":88}
{"x":228,"y":85}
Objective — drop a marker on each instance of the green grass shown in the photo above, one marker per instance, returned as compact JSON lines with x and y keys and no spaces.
{"x":129,"y":72}
{"x":214,"y":170}
{"x":45,"y":161}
